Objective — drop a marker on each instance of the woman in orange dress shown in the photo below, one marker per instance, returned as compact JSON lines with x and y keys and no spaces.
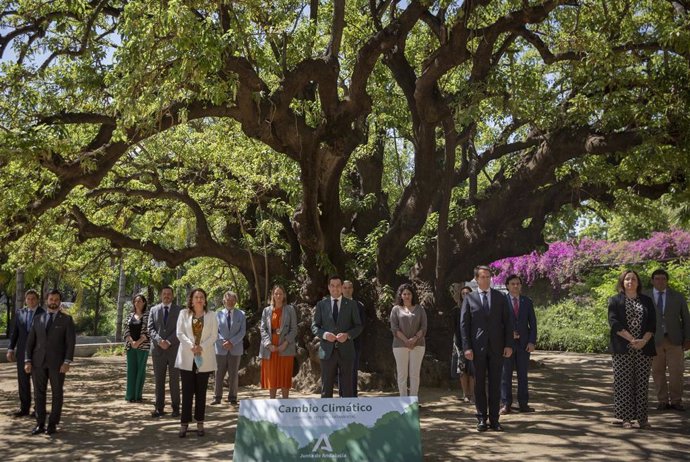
{"x":277,"y":351}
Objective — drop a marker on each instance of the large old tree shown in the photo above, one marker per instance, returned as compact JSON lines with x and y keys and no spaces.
{"x":380,"y":140}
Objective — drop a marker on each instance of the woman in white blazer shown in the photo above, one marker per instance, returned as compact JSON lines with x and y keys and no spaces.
{"x":197,"y":330}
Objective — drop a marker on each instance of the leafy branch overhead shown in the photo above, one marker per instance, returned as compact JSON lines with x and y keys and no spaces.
{"x":372,"y":138}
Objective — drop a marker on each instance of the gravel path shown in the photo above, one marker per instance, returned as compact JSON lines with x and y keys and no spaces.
{"x":570,"y":392}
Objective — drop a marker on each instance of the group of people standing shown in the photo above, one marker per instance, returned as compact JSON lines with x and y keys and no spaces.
{"x":186,"y":345}
{"x":495,"y":333}
{"x":42,"y":343}
{"x":649,"y":332}
{"x":337,"y":322}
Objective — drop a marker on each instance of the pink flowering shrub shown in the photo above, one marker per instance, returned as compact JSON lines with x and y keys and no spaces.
{"x":564,"y":263}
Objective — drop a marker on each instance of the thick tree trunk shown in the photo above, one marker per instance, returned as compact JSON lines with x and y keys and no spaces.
{"x":121,"y":287}
{"x":19,"y":288}
{"x":97,"y":310}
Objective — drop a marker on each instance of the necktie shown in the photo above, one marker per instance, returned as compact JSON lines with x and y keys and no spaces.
{"x":29,"y":319}
{"x":50,"y":321}
{"x":485,"y":301}
{"x":165,"y":316}
{"x":335,"y":310}
{"x":230,"y":318}
{"x":516,"y":307}
{"x":660,"y":307}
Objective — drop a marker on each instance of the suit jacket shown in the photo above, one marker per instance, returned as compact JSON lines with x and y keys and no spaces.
{"x":52,"y":348}
{"x":675,"y":316}
{"x":526,"y":322}
{"x":185,"y":334}
{"x":234,"y":334}
{"x":288,"y":331}
{"x":348,"y":321}
{"x":159,"y":331}
{"x":20,"y":332}
{"x":619,"y":321}
{"x":363,"y":318}
{"x":484,"y":332}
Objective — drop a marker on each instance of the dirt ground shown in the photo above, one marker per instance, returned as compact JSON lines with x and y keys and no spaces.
{"x":571,"y":393}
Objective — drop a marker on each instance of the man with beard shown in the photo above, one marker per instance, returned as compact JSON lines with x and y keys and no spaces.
{"x":49,"y":353}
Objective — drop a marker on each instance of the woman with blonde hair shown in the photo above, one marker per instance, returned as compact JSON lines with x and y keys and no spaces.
{"x":277,"y":351}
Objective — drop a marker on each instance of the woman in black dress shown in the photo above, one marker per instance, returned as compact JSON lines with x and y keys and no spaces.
{"x":459,"y":366}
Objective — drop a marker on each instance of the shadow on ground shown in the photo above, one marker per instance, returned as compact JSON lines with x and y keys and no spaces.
{"x":571,"y":394}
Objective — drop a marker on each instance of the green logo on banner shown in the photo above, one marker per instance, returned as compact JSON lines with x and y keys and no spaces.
{"x":387,"y":432}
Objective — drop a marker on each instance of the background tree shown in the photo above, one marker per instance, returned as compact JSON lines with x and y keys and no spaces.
{"x":380,"y":140}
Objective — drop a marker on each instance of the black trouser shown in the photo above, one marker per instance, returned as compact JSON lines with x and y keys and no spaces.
{"x":329,"y":370}
{"x":24,"y":385}
{"x":41,"y":377}
{"x":194,"y":386}
{"x":488,"y":365}
{"x":355,"y":368}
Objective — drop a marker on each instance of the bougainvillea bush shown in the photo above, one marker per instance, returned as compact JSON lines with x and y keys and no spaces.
{"x":585,"y":273}
{"x":566,"y":263}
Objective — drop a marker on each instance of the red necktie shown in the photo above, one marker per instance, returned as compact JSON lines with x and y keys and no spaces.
{"x":516,"y":307}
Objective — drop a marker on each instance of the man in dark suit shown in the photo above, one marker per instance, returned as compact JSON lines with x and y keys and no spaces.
{"x":672,"y":338}
{"x":348,"y":290}
{"x":23,"y":320}
{"x":49,"y":352}
{"x":486,"y":335}
{"x":336,"y":323}
{"x":524,"y":339}
{"x":164,"y":344}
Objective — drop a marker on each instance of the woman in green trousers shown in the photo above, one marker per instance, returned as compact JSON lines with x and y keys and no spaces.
{"x":137,"y":345}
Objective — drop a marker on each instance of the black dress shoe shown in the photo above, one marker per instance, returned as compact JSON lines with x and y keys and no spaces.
{"x":20,"y":413}
{"x":234,"y":402}
{"x":52,"y":429}
{"x":526,"y":408}
{"x":38,"y":429}
{"x":662,"y":406}
{"x":496,"y":427}
{"x":156,"y":414}
{"x":215,"y":401}
{"x":481,"y":426}
{"x":175,"y":413}
{"x":183,"y":431}
{"x":677,"y":407}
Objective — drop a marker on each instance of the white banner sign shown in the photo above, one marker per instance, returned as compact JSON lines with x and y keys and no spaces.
{"x":345,"y":429}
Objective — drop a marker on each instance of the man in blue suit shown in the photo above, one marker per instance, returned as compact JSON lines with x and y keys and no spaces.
{"x":232,"y":326}
{"x":23,"y":320}
{"x":486,"y":337}
{"x":336,"y":323}
{"x":525,"y":339}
